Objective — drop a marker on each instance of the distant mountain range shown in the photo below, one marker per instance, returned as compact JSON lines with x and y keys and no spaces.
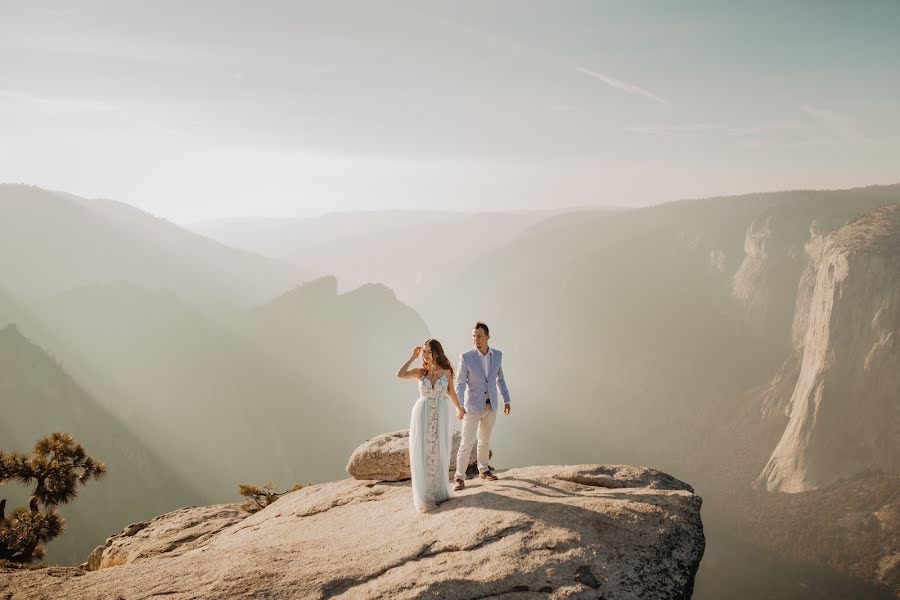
{"x":39,"y":397}
{"x":402,"y":249}
{"x":686,"y":336}
{"x":52,"y":241}
{"x":276,"y":386}
{"x":653,"y":336}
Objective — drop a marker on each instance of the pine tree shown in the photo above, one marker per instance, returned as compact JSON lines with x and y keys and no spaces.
{"x":259,"y":498}
{"x":55,"y":467}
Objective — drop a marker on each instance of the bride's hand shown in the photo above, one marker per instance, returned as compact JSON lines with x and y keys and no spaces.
{"x":460,"y":413}
{"x":416,"y":351}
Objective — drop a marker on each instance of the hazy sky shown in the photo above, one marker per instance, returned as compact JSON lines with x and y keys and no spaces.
{"x":196,"y":110}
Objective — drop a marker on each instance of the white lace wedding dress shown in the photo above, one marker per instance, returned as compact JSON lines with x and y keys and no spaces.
{"x":430,"y":442}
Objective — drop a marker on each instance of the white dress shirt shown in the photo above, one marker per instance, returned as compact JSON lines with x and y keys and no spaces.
{"x":486,"y":362}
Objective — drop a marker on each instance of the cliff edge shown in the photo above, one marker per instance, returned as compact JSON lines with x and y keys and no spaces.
{"x":587,"y":531}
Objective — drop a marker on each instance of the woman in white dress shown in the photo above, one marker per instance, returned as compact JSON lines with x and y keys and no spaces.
{"x":430,"y":431}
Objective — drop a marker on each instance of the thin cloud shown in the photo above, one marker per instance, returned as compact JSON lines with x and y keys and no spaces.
{"x":719,"y":129}
{"x":839,"y":125}
{"x":73,"y":104}
{"x":16,"y":104}
{"x":624,"y":86}
{"x":567,"y":108}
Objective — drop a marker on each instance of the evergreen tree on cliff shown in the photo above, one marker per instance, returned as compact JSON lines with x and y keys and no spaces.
{"x":55,"y":467}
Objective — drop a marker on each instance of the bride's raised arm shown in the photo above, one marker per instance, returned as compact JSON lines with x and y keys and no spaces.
{"x":405,"y":372}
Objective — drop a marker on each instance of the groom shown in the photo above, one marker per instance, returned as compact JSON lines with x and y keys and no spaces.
{"x":479,"y":377}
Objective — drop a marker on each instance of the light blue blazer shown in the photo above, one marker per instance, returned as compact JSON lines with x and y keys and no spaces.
{"x":473,"y":388}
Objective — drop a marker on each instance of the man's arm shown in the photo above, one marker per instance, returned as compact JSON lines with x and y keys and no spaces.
{"x":501,"y":384}
{"x":462,"y":379}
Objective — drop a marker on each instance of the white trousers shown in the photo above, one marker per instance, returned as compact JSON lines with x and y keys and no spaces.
{"x":475,"y":427}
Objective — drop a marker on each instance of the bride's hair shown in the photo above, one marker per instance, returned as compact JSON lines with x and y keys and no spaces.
{"x":437,"y":357}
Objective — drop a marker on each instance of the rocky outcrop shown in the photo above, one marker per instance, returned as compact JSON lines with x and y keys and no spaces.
{"x":845,"y":408}
{"x":171,"y":534}
{"x":386,"y":457}
{"x":589,"y":531}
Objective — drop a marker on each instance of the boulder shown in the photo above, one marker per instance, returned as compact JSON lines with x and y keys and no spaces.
{"x":386,"y":457}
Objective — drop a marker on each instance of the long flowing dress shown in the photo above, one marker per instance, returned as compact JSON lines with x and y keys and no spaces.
{"x":430,"y":442}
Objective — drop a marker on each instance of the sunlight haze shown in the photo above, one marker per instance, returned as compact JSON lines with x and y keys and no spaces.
{"x":204,"y":110}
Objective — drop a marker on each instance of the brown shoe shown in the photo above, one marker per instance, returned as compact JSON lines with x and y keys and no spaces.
{"x":460,"y":484}
{"x":489,"y":476}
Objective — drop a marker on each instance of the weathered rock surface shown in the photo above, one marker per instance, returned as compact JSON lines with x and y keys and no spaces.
{"x":589,"y":531}
{"x":386,"y":457}
{"x":845,"y":408}
{"x":777,"y":395}
{"x":173,"y":533}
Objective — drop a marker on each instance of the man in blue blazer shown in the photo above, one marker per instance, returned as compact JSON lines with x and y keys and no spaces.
{"x":478,"y":380}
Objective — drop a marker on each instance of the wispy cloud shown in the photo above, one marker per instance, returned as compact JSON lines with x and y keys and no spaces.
{"x":83,"y":111}
{"x":719,"y":129}
{"x":73,"y":104}
{"x":567,"y":108}
{"x":838,"y":125}
{"x":624,"y":86}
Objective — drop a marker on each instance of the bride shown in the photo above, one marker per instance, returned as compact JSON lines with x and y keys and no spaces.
{"x":430,"y":433}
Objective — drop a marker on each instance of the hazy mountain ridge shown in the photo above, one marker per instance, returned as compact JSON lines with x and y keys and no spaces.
{"x":195,"y":388}
{"x":38,"y":398}
{"x":402,"y":249}
{"x":644,"y":333}
{"x":216,"y":397}
{"x":293,"y":237}
{"x":53,"y":241}
{"x":354,"y":341}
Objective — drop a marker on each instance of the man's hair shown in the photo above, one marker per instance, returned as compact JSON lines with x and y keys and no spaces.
{"x":483,"y":326}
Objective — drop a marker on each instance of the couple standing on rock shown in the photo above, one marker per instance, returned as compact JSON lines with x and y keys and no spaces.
{"x":479,"y":378}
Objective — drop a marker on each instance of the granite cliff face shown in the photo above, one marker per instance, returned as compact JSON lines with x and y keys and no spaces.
{"x":845,"y":406}
{"x":588,"y":531}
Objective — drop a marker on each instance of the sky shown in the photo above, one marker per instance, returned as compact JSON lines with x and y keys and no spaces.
{"x":196,"y":110}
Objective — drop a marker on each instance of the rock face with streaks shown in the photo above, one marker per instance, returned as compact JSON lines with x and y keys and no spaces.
{"x":588,"y":531}
{"x":845,"y":407}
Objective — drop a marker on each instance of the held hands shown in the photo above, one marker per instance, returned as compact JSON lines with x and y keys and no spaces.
{"x":460,"y":413}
